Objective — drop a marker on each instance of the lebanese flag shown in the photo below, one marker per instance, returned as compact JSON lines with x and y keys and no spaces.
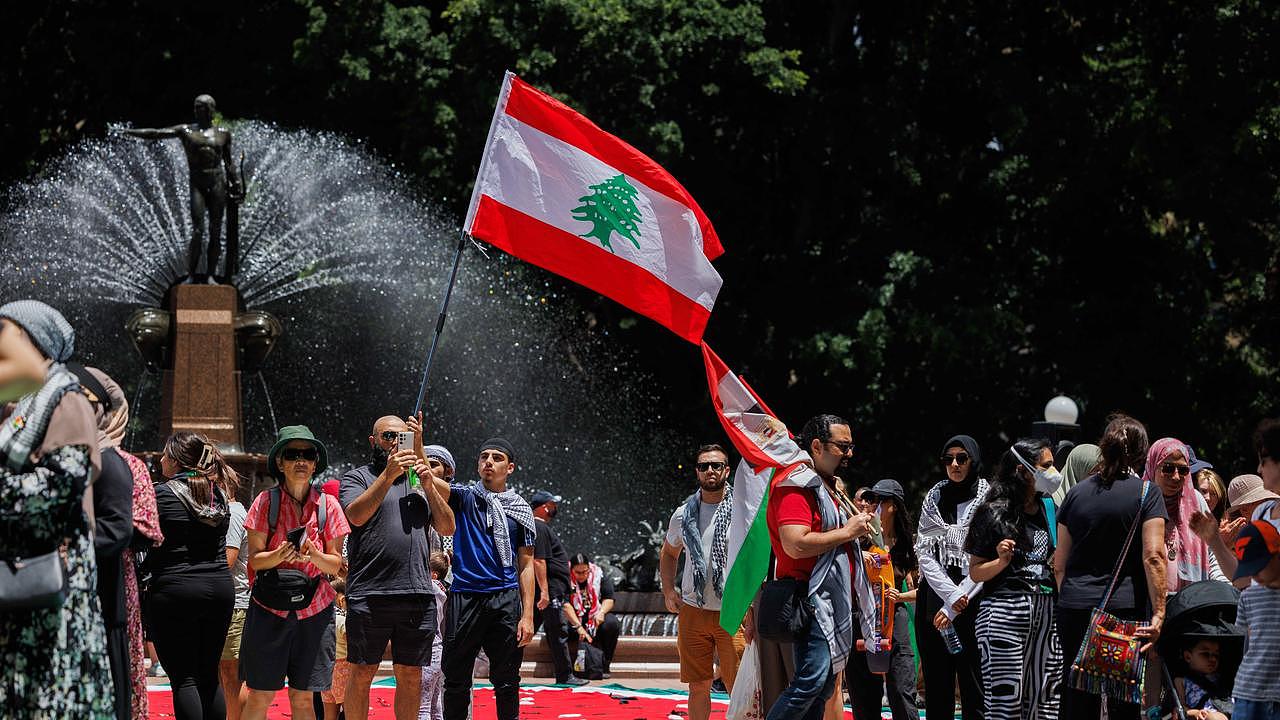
{"x":769,"y":456}
{"x":561,"y":193}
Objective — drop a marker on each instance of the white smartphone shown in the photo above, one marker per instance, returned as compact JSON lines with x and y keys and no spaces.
{"x":404,"y":441}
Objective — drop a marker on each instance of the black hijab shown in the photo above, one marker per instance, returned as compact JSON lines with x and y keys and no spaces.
{"x":954,"y":493}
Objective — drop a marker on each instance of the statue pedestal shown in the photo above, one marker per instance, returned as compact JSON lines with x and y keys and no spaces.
{"x":202,"y":386}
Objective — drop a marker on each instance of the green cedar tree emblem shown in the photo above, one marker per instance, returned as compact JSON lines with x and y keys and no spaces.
{"x":610,"y":208}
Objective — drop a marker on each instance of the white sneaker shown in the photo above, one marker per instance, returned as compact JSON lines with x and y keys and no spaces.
{"x":156,"y":671}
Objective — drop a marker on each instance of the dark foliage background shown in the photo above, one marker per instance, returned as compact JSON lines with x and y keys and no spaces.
{"x":937,"y":214}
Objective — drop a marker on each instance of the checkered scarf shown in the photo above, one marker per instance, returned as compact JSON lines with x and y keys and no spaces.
{"x":502,"y":504}
{"x":22,"y":433}
{"x":719,"y":542}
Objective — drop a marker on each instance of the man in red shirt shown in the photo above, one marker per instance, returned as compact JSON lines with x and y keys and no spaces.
{"x":811,"y":534}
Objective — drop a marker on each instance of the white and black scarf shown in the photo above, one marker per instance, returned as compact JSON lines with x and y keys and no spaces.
{"x":501,"y":505}
{"x":719,"y":542}
{"x":943,"y":540}
{"x":24,"y":430}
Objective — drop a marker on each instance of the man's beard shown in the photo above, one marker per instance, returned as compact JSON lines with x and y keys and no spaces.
{"x":378,"y":458}
{"x":713,"y":485}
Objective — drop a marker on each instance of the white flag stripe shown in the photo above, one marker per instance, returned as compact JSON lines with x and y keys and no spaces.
{"x":748,"y":493}
{"x":544,"y":177}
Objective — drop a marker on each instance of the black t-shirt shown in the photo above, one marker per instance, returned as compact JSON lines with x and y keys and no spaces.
{"x":1098,"y":517}
{"x":547,"y":546}
{"x":388,"y":554}
{"x":1029,"y":572}
{"x":191,"y":547}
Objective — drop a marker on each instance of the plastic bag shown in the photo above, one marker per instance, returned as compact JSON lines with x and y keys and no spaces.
{"x":745,"y":701}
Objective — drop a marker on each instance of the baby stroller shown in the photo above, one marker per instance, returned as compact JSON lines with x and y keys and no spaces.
{"x":1204,"y":610}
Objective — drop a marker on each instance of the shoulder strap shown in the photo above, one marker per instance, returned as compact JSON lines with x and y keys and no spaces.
{"x":321,"y":515}
{"x":1051,"y":517}
{"x":1133,"y":530}
{"x":273,"y":511}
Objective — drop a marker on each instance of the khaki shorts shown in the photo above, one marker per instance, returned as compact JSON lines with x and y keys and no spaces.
{"x":699,"y":639}
{"x":231,"y":648}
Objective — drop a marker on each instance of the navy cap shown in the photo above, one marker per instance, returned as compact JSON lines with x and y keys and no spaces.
{"x":542,"y":497}
{"x":1257,"y":544}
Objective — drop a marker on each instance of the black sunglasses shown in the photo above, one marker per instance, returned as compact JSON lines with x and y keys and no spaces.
{"x":705,"y":466}
{"x":844,"y":447}
{"x":389,"y":435}
{"x":295,"y":454}
{"x":958,"y":459}
{"x":1170,"y":468}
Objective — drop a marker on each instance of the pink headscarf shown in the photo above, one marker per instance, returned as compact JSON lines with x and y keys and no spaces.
{"x":1191,"y":556}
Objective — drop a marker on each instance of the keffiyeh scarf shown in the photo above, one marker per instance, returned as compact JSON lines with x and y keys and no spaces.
{"x":501,"y":505}
{"x":585,"y":598}
{"x":24,"y":430}
{"x":943,"y":540}
{"x":719,"y":542}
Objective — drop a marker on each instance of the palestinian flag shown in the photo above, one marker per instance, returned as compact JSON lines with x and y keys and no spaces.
{"x":557,"y":191}
{"x":768,"y":455}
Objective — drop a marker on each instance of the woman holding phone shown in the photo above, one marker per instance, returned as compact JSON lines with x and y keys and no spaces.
{"x":295,"y":541}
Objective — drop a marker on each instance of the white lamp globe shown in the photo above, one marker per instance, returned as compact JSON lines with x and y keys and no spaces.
{"x":1061,"y":410}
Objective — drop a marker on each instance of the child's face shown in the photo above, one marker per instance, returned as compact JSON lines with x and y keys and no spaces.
{"x":341,"y":600}
{"x":1203,"y":658}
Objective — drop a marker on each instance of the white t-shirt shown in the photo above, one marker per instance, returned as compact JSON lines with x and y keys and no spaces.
{"x":675,"y":537}
{"x":238,"y":538}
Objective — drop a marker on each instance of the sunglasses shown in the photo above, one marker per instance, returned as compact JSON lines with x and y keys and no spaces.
{"x":705,"y":466}
{"x":389,"y":435}
{"x":295,"y":454}
{"x":844,"y":447}
{"x":1170,"y":469}
{"x":958,"y":459}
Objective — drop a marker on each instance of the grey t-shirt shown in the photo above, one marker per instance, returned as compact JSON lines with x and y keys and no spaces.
{"x":675,"y":537}
{"x":239,"y":539}
{"x":388,"y":554}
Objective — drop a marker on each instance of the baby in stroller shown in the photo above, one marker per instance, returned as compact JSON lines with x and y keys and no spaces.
{"x":1200,"y":690}
{"x":1202,"y":648}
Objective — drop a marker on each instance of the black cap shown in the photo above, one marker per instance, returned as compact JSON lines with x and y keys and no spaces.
{"x":501,"y":445}
{"x":542,"y":497}
{"x":888,"y":488}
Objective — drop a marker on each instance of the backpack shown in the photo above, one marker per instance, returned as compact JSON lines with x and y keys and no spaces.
{"x":286,"y":589}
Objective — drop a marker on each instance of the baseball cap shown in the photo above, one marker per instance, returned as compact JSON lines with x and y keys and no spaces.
{"x":888,"y":488}
{"x":542,"y":497}
{"x":1258,"y":543}
{"x":1245,"y":489}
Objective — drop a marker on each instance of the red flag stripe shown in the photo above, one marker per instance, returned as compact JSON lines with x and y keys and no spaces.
{"x":539,"y":110}
{"x":716,"y":369}
{"x":567,"y":255}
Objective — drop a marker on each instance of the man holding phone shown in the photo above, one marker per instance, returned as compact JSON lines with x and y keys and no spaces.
{"x":390,"y":598}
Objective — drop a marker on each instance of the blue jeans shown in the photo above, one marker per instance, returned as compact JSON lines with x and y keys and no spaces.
{"x":805,"y":697}
{"x":1256,"y":710}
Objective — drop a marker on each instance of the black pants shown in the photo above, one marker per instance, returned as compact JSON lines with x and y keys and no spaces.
{"x":189,"y":617}
{"x":942,"y":669}
{"x":1072,"y":626}
{"x":866,"y":687}
{"x":118,"y":655}
{"x":606,"y":638}
{"x":475,"y":621}
{"x":551,"y":621}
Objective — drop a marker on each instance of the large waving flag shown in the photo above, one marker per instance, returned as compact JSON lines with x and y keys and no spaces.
{"x":556,"y":190}
{"x":768,"y":454}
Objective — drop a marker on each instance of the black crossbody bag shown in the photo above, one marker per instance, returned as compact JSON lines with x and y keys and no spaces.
{"x":784,"y":608}
{"x":40,"y":582}
{"x":286,"y":588}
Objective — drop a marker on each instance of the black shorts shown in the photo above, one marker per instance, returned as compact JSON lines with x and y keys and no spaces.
{"x":408,"y":622}
{"x":274,"y":647}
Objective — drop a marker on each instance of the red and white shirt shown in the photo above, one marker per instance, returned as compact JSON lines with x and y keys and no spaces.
{"x":291,"y":516}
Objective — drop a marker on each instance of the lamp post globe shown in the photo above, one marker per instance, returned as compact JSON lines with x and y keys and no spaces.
{"x":1061,"y":410}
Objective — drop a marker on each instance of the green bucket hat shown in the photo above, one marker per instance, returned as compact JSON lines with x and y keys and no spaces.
{"x":296,"y":432}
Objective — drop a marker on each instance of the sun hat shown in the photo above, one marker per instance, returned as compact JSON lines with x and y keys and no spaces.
{"x":1245,"y":489}
{"x":288,"y":434}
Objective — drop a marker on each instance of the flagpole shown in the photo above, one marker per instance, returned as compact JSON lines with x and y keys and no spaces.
{"x":444,"y":309}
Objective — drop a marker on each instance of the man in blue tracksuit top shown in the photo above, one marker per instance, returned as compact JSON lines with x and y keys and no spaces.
{"x":491,"y":599}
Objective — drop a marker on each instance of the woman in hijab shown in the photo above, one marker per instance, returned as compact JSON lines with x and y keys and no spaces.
{"x":1081,"y":462}
{"x":113,"y":531}
{"x":945,"y":588}
{"x":1169,"y":467}
{"x":53,"y":659}
{"x":112,"y":425}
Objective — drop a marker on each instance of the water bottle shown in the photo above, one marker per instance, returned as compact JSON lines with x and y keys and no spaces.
{"x":952,"y":639}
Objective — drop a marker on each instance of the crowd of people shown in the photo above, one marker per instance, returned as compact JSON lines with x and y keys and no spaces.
{"x":1001,"y":593}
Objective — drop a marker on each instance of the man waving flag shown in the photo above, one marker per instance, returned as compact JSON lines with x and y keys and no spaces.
{"x":559,"y":192}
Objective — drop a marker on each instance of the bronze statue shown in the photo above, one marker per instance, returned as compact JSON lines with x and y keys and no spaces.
{"x":215,"y":187}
